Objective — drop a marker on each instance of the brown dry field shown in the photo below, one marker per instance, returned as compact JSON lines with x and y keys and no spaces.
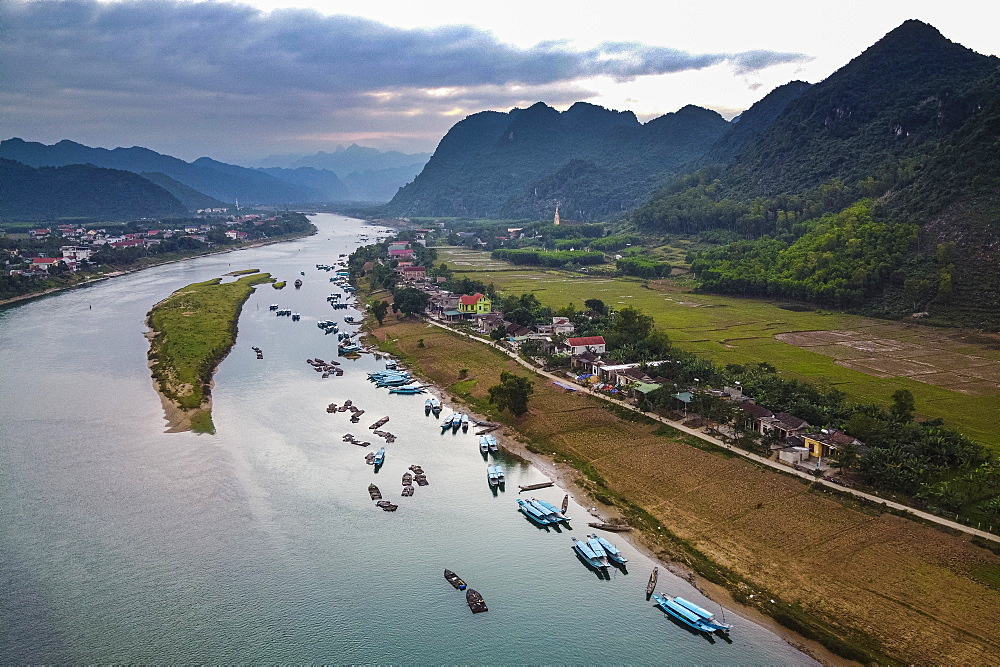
{"x":895,"y":350}
{"x":907,"y":585}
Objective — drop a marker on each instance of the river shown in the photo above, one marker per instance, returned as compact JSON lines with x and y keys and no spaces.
{"x":120,"y":542}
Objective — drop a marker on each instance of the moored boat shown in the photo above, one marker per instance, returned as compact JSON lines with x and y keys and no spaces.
{"x":683,"y":614}
{"x":475,"y":601}
{"x":587,"y":554}
{"x":465,"y":423}
{"x":491,"y":442}
{"x":611,"y":550}
{"x":446,"y":423}
{"x":427,"y":407}
{"x":406,"y":390}
{"x":552,"y":509}
{"x":379,"y":457}
{"x":374,"y":492}
{"x":483,"y":444}
{"x":598,"y":549}
{"x":456,"y":422}
{"x":501,"y":480}
{"x":491,"y":476}
{"x":533,"y":512}
{"x":651,"y":586}
{"x":705,"y":615}
{"x":455,"y":580}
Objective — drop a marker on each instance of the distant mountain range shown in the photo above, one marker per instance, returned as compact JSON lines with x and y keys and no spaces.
{"x":81,"y":190}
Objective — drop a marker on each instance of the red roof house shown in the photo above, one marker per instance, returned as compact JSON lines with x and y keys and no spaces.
{"x":583,"y":344}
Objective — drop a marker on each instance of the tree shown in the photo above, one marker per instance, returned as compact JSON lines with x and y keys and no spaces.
{"x":410,"y":301}
{"x":379,"y":310}
{"x":499,"y":333}
{"x":847,"y":457}
{"x":903,"y":406}
{"x":512,"y":393}
{"x":595,"y":305}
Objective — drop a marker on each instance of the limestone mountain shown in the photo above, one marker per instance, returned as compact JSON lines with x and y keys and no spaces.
{"x":593,"y":162}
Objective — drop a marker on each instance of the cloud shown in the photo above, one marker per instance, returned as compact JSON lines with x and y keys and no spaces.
{"x":215,"y":62}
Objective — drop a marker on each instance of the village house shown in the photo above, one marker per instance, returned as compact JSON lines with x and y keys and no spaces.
{"x":560,"y":325}
{"x":487,"y":322}
{"x":400,"y":253}
{"x":44,"y":263}
{"x":474,"y":304}
{"x":583,"y":344}
{"x":73,"y":254}
{"x":39,"y":233}
{"x":783,"y":425}
{"x":757,"y":413}
{"x":827,"y":443}
{"x":414,"y":272}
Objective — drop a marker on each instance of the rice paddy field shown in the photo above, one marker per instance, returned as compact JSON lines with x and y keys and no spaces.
{"x":865,"y":580}
{"x":953,"y":374}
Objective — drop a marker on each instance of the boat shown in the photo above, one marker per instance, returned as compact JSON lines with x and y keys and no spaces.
{"x":273,"y":306}
{"x":427,"y":406}
{"x":613,"y":527}
{"x":588,"y":555}
{"x":446,"y":422}
{"x":374,"y":492}
{"x":533,"y":513}
{"x":598,"y":549}
{"x":348,"y":349}
{"x":456,"y":422}
{"x":454,"y":580}
{"x":465,"y":423}
{"x":436,"y":407}
{"x":296,"y":317}
{"x":683,"y":614}
{"x":705,"y":615}
{"x":553,"y":510}
{"x":651,"y":586}
{"x":501,"y":480}
{"x":540,"y":485}
{"x":298,"y":283}
{"x":483,"y":444}
{"x":476,"y":602}
{"x":491,"y":443}
{"x":545,"y":511}
{"x":380,"y":457}
{"x":491,"y":476}
{"x":565,"y":504}
{"x":611,"y":550}
{"x":406,"y":390}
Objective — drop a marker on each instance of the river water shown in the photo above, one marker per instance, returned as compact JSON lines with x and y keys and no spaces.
{"x":120,"y":542}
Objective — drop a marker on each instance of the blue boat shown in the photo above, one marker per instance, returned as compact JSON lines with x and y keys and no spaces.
{"x":553,"y":510}
{"x":456,"y":422}
{"x":406,"y":390}
{"x":589,"y":557}
{"x":436,"y":407}
{"x":491,"y":476}
{"x":500,"y":476}
{"x":532,"y":512}
{"x":706,"y":616}
{"x":379,"y":456}
{"x":465,"y":423}
{"x":348,"y":349}
{"x":484,"y":444}
{"x":683,"y":614}
{"x":598,"y":550}
{"x":427,"y":406}
{"x":544,"y":511}
{"x":491,"y":443}
{"x":610,"y":549}
{"x":446,"y":423}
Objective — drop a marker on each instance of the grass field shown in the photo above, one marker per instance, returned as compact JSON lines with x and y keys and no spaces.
{"x":730,"y":330}
{"x":193,"y":330}
{"x":866,"y":583}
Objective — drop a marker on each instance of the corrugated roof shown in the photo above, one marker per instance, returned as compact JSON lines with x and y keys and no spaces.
{"x":586,"y":340}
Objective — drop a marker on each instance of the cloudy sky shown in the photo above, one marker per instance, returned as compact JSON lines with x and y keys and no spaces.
{"x":240,"y":80}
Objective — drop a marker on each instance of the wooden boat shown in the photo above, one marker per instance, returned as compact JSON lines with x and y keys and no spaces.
{"x":407,"y":479}
{"x":651,"y":586}
{"x":387,"y":506}
{"x":476,"y":602}
{"x":374,"y":492}
{"x":455,"y":580}
{"x":408,"y":490}
{"x":613,"y":527}
{"x":540,"y":485}
{"x":565,"y":504}
{"x":380,"y":422}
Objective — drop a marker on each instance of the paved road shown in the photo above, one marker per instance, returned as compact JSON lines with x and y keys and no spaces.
{"x":742,"y":452}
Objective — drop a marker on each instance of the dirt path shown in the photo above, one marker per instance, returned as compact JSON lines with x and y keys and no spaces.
{"x":926,"y":516}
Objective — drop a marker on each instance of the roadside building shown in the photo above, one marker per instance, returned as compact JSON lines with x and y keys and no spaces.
{"x":474,"y":304}
{"x":583,"y":344}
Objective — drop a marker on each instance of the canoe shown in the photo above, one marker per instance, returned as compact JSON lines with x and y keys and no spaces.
{"x":651,"y":586}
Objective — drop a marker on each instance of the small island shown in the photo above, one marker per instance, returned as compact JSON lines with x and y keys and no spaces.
{"x":190,"y":333}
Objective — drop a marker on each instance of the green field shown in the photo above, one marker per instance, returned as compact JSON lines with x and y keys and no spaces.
{"x":731,"y":330}
{"x":193,"y":330}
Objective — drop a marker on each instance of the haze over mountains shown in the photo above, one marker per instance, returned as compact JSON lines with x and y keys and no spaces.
{"x":374,"y":178}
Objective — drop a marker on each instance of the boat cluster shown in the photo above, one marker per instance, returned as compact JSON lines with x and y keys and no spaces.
{"x":376,"y":495}
{"x":542,"y":512}
{"x":395,"y":381}
{"x":432,"y":405}
{"x":260,"y":352}
{"x":417,"y":475}
{"x":475,"y":601}
{"x":692,"y":615}
{"x":284,"y":312}
{"x":488,"y":443}
{"x":349,"y":437}
{"x":376,"y":458}
{"x":598,"y":553}
{"x":495,"y":475}
{"x":328,"y":326}
{"x":389,"y":437}
{"x":327,"y":368}
{"x":348,"y":405}
{"x":454,"y":422}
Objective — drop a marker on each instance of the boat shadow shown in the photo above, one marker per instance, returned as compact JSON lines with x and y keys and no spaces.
{"x":547,"y":527}
{"x":601,"y":573}
{"x":707,"y":637}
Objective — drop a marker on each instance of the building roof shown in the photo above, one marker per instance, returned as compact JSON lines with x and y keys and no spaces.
{"x":470,"y":299}
{"x":585,"y":341}
{"x":588,"y":356}
{"x":646,"y":387}
{"x":407,"y":269}
{"x":45,"y":260}
{"x":790,"y":421}
{"x":756,"y":411}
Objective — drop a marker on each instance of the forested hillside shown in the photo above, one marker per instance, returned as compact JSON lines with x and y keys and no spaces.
{"x":910,"y":127}
{"x":80,"y":190}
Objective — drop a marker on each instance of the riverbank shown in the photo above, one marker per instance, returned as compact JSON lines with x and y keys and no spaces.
{"x":865,"y":583}
{"x":126,"y":271}
{"x":190,"y":333}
